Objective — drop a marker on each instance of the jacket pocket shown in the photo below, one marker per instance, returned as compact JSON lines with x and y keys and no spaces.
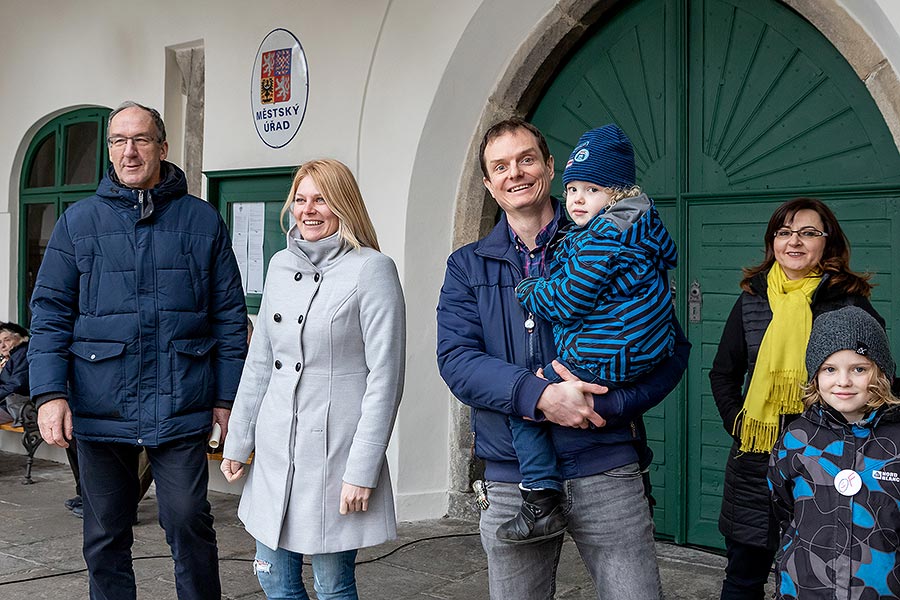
{"x":97,"y":379}
{"x":192,"y":375}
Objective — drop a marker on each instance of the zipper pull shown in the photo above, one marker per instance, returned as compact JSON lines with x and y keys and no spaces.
{"x":529,"y":323}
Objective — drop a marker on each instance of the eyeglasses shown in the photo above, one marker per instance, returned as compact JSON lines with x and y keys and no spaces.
{"x":807,"y":233}
{"x":141,"y":141}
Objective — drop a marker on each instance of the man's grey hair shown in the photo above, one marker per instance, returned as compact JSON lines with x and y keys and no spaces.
{"x":154,"y":114}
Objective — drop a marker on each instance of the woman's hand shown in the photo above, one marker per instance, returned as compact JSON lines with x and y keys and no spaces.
{"x":353,"y":498}
{"x":232,"y":469}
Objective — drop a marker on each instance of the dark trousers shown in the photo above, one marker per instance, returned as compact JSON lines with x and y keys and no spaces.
{"x":110,"y":491}
{"x":72,"y":455}
{"x":747,"y":571}
{"x":145,"y":475}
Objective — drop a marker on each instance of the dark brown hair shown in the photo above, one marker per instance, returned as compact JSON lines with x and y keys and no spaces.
{"x":835,"y":257}
{"x":509,"y":126}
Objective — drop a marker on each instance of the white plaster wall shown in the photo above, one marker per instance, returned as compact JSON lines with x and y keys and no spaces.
{"x":60,"y":55}
{"x":881,"y":20}
{"x":497,"y":29}
{"x":407,"y":67}
{"x":369,"y":97}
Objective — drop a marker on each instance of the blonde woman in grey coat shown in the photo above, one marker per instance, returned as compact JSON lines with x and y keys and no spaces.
{"x":319,"y":393}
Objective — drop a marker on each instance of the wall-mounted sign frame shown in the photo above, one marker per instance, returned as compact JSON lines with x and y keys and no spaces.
{"x":279,"y":88}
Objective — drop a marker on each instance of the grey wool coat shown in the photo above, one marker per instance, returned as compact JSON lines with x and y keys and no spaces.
{"x":318,"y":397}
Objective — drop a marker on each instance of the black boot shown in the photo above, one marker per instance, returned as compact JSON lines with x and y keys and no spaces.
{"x":540,"y":517}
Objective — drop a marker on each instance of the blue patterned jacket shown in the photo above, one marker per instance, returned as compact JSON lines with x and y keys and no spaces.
{"x":607,"y":293}
{"x":835,"y":545}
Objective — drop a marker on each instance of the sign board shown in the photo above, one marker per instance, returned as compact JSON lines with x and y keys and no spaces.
{"x":279,"y":88}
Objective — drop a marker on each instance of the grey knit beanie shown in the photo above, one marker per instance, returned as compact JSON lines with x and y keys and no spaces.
{"x":604,"y":157}
{"x":848,"y":328}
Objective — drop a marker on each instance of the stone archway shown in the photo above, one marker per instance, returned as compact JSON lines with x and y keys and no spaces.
{"x":518,"y":89}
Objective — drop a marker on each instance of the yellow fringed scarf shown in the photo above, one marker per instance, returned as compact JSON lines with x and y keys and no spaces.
{"x":780,"y":372}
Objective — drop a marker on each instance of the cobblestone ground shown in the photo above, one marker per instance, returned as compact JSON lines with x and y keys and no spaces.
{"x":40,"y":552}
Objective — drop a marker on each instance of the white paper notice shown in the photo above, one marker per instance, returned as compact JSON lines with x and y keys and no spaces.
{"x":247,"y":238}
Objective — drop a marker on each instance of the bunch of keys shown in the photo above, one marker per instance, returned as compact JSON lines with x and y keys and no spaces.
{"x":481,"y":499}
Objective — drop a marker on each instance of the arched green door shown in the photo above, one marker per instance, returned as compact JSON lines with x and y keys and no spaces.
{"x":64,"y":163}
{"x":733,"y":106}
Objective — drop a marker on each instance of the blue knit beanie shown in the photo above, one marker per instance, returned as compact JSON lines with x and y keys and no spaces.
{"x":603,"y":156}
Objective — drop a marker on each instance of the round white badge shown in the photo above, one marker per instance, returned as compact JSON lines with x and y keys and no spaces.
{"x":581,"y":155}
{"x":279,"y":88}
{"x":848,"y":482}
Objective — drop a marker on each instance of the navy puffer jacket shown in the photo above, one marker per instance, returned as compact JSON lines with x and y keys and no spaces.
{"x":138,"y":314}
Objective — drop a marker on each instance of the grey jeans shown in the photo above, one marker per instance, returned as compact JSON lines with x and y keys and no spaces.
{"x":609,"y":520}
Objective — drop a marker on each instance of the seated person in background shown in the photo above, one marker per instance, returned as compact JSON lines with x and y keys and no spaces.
{"x":14,"y":374}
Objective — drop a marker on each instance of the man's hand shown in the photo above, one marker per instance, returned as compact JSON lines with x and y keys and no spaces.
{"x":571,"y":403}
{"x":55,"y":422}
{"x":232,"y":469}
{"x":354,"y":498}
{"x":221,"y":416}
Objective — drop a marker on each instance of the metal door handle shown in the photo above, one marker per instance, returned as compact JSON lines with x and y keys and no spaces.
{"x":695,"y":302}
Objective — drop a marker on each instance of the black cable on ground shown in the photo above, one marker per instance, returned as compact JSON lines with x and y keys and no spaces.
{"x":249,"y":559}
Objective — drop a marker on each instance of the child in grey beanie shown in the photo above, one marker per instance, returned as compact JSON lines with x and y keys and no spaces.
{"x":835,"y":473}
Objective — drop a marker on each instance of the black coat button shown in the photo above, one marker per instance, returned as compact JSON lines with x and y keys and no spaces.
{"x":297,"y":367}
{"x":277,"y":364}
{"x":300,"y":319}
{"x":277,"y":317}
{"x":298,"y":276}
{"x":316,"y":277}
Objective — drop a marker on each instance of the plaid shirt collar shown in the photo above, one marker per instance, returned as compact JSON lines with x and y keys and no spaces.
{"x":534,"y":261}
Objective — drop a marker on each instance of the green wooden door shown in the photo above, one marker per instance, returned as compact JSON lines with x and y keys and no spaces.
{"x":733,"y":106}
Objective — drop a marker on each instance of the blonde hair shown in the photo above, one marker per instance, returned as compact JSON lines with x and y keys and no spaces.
{"x":879,"y":389}
{"x":619,"y":193}
{"x":342,"y":195}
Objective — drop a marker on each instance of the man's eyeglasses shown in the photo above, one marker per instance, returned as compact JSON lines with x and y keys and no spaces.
{"x":141,"y":141}
{"x":807,"y":233}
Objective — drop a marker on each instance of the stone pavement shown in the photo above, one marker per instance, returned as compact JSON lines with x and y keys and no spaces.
{"x":40,"y":552}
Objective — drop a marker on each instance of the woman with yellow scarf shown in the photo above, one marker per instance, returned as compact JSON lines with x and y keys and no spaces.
{"x":806,"y":272}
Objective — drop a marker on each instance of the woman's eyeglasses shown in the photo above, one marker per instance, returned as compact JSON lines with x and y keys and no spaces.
{"x":807,"y":233}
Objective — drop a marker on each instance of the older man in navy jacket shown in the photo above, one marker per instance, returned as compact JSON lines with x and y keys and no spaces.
{"x":138,"y":338}
{"x":489,"y":348}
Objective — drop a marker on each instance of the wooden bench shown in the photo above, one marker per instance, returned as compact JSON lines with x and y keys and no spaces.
{"x":31,"y":436}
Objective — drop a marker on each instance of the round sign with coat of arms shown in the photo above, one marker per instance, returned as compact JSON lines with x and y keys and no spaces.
{"x":279,"y":88}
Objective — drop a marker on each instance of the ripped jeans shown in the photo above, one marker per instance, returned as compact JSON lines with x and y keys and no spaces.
{"x":279,"y":574}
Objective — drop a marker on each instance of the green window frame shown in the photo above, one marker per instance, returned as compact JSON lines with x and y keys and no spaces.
{"x":64,"y":163}
{"x":270,"y":186}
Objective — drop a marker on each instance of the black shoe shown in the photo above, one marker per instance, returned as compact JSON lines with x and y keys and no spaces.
{"x":78,"y":511}
{"x":72,"y":503}
{"x":540,"y":517}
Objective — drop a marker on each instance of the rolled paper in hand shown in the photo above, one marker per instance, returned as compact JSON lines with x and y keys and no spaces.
{"x":215,"y":436}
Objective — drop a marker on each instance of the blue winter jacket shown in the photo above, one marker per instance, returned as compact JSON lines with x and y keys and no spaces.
{"x":138,"y":314}
{"x":608,"y":294}
{"x":488,"y":359}
{"x":835,"y":545}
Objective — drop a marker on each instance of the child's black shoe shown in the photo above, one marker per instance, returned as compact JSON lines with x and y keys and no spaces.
{"x":540,"y":517}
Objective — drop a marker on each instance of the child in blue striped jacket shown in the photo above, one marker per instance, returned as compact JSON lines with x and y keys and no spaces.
{"x":608,"y":298}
